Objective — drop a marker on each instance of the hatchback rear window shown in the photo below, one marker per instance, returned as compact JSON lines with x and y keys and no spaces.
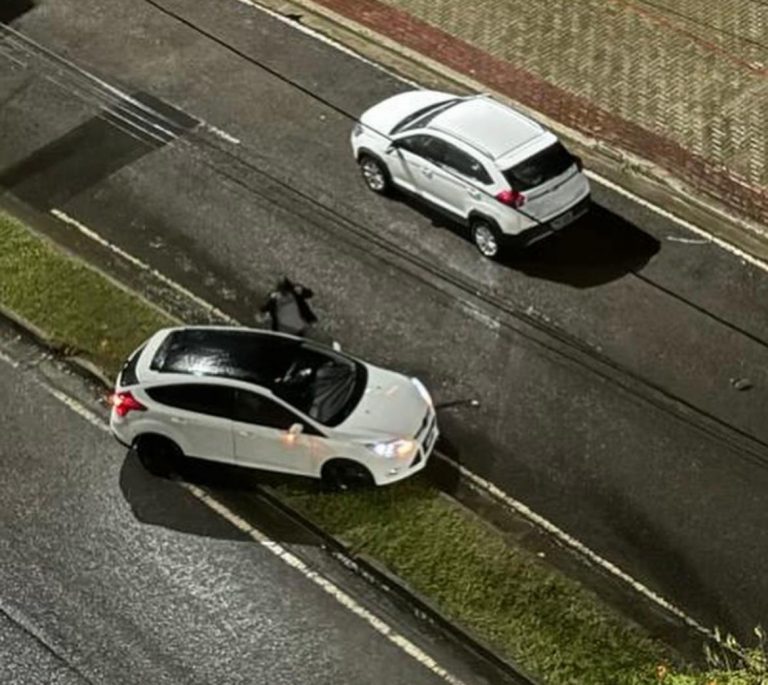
{"x":128,"y":372}
{"x":542,"y":167}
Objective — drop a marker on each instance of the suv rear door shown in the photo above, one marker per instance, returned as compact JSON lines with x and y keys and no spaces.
{"x":197,"y":416}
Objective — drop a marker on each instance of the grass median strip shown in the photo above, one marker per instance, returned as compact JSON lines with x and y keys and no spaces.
{"x":544,"y":621}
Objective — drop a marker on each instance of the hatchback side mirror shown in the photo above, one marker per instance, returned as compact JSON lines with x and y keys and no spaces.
{"x":392,"y":147}
{"x":295,"y":429}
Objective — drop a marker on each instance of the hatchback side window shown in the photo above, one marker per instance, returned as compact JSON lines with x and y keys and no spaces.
{"x":465,"y":164}
{"x":202,"y":398}
{"x":424,"y":146}
{"x":262,"y":411}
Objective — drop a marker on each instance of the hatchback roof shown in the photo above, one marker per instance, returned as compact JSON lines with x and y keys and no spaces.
{"x":487,"y":125}
{"x":247,"y":355}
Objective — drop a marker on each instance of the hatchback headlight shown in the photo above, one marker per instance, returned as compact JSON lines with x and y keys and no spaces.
{"x":394,"y":449}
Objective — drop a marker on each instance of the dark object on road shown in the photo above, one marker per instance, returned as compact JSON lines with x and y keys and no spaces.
{"x":288,"y":308}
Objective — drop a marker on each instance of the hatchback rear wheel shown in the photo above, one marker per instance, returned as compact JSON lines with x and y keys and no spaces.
{"x":158,"y":455}
{"x":375,"y":174}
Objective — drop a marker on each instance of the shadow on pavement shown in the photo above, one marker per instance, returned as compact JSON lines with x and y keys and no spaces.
{"x":599,"y":248}
{"x":114,"y":138}
{"x":10,"y":10}
{"x":163,"y":502}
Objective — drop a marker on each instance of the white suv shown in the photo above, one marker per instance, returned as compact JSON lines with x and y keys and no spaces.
{"x":270,"y":401}
{"x":499,"y":172}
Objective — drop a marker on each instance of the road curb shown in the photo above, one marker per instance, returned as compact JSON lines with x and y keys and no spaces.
{"x":366,"y":567}
{"x":421,"y":606}
{"x":639,"y":176}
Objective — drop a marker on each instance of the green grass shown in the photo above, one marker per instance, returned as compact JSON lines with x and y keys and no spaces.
{"x":77,"y":306}
{"x":547,"y":623}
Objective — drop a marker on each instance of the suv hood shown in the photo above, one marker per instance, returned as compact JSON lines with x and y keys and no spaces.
{"x":382,"y":118}
{"x":391,"y":407}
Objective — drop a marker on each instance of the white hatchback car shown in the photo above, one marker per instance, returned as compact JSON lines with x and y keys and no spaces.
{"x":492,"y":168}
{"x":271,"y":401}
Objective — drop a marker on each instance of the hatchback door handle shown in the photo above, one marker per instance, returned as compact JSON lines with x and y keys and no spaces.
{"x":245,"y":434}
{"x":474,"y":193}
{"x":428,"y":172}
{"x":177,"y":419}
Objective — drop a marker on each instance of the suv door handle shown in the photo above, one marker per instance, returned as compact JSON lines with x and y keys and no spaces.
{"x":177,"y":419}
{"x":427,"y":172}
{"x":246,"y":434}
{"x":474,"y":192}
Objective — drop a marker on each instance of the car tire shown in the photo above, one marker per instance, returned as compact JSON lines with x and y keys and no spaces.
{"x":486,"y":237}
{"x":158,"y":455}
{"x":341,"y":475}
{"x":375,"y":174}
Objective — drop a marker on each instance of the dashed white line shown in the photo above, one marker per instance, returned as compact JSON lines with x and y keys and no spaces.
{"x":540,"y":522}
{"x":141,"y":265}
{"x":220,"y":133}
{"x":379,"y":625}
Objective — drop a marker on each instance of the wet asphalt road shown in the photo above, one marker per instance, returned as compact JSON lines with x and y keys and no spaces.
{"x":605,"y":358}
{"x":109,"y":575}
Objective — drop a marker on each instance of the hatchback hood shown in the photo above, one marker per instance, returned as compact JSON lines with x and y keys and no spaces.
{"x":391,"y":407}
{"x":382,"y":118}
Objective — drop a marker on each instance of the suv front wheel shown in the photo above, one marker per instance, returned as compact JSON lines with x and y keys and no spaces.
{"x":375,"y":174}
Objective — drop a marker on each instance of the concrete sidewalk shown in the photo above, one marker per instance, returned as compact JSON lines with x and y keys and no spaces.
{"x":681,"y":84}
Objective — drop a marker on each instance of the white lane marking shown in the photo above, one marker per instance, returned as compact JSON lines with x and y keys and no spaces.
{"x":333,"y":590}
{"x":8,"y":360}
{"x":486,"y":486}
{"x":221,"y":133}
{"x":327,"y":40}
{"x":688,"y":241}
{"x":540,"y":522}
{"x":141,"y":265}
{"x":725,"y":245}
{"x":728,"y":247}
{"x":380,"y":626}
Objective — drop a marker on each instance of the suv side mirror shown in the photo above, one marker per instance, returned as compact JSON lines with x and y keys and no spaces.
{"x":393,"y":145}
{"x":295,"y":429}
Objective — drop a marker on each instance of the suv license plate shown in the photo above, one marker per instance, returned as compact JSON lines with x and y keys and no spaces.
{"x":563,"y":220}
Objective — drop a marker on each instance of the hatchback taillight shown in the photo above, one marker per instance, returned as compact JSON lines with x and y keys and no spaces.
{"x":125,"y":402}
{"x":511,"y":198}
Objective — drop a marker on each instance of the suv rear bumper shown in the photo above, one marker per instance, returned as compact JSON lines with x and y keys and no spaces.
{"x":540,"y":231}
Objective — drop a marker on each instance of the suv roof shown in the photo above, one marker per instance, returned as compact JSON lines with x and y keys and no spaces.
{"x":492,"y":128}
{"x":244,"y":355}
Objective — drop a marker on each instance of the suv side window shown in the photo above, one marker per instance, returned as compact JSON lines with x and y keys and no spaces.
{"x":259,"y":410}
{"x":465,"y":164}
{"x":428,"y":147}
{"x":202,"y":398}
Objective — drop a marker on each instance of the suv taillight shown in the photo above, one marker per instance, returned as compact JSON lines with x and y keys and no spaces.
{"x":125,"y":402}
{"x":511,"y":198}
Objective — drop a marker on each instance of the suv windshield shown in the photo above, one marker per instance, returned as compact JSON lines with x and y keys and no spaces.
{"x":423,"y":116}
{"x":326,"y":387}
{"x":542,"y":167}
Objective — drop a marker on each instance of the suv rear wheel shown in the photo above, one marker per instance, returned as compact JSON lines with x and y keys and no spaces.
{"x":375,"y":174}
{"x":487,"y":238}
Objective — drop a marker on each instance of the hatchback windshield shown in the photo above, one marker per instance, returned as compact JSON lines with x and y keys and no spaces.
{"x":542,"y":167}
{"x":325,"y":387}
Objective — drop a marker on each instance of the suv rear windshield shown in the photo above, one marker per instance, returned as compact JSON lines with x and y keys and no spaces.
{"x":542,"y":167}
{"x":324,"y":385}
